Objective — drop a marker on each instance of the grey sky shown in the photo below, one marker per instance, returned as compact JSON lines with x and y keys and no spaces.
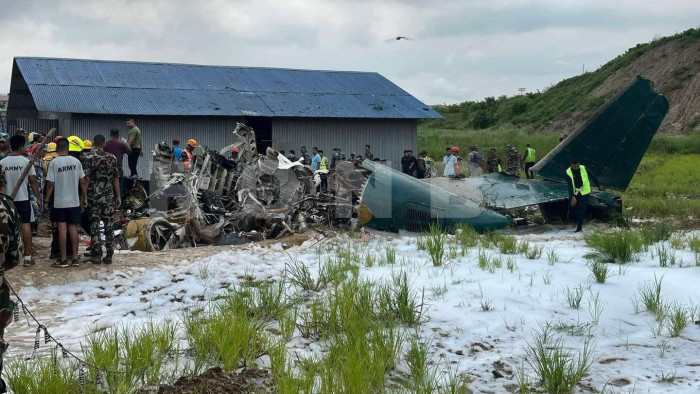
{"x":461,"y":50}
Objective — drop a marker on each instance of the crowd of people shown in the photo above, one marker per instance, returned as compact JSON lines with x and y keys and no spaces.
{"x":478,"y":165}
{"x":75,"y":182}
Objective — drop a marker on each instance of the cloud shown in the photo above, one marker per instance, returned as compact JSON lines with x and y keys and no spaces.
{"x":460,"y":49}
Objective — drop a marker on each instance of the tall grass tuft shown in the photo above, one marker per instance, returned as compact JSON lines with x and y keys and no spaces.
{"x":534,"y":252}
{"x":652,"y":233}
{"x":677,"y":320}
{"x":599,"y":271}
{"x":574,"y":296}
{"x":614,"y":246}
{"x":435,"y":243}
{"x":38,"y":377}
{"x":560,"y":370}
{"x":508,"y":244}
{"x":650,"y":295}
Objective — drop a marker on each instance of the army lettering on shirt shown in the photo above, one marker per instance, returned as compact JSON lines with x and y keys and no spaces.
{"x":12,"y":167}
{"x":65,"y":172}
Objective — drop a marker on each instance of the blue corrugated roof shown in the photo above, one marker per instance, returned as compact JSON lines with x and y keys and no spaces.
{"x":134,"y":88}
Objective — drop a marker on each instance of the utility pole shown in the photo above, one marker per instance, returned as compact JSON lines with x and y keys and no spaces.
{"x":521,"y":90}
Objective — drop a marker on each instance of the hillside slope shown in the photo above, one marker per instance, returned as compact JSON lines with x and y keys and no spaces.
{"x":671,"y":63}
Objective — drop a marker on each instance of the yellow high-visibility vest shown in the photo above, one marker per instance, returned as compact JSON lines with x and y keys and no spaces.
{"x":324,"y":162}
{"x":530,"y":158}
{"x":586,"y":188}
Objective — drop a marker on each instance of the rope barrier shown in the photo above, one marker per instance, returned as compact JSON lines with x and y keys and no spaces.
{"x":82,"y":363}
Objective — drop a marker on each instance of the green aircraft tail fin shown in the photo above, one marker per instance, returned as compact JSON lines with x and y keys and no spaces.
{"x":612,"y":142}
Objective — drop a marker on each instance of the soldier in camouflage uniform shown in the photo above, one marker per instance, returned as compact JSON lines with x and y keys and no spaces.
{"x":4,"y":145}
{"x":513,"y":166}
{"x":103,"y":197}
{"x":305,"y":155}
{"x":493,"y":162}
{"x":11,"y":250}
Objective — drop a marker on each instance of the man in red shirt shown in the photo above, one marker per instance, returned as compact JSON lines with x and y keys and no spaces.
{"x":118,"y":148}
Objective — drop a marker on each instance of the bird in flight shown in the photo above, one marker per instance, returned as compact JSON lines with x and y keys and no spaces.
{"x":399,"y":38}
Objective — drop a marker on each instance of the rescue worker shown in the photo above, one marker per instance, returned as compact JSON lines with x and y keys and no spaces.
{"x":50,"y":154}
{"x":337,"y":157}
{"x":292,"y":156}
{"x":75,"y":148}
{"x":134,"y":142}
{"x":65,"y":181}
{"x":88,"y":147}
{"x":177,"y":150}
{"x":4,"y":145}
{"x":305,"y":155}
{"x":529,"y":159}
{"x":420,"y":165}
{"x":578,"y":180}
{"x":323,"y":165}
{"x":368,"y":153}
{"x":475,"y":162}
{"x":187,"y":155}
{"x":12,"y":168}
{"x":10,"y":255}
{"x":513,"y":162}
{"x":316,"y":161}
{"x":493,"y":162}
{"x":102,"y":177}
{"x":407,"y":162}
{"x":450,"y":160}
{"x":35,"y":200}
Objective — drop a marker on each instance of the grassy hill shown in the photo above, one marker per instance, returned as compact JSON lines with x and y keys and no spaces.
{"x":672,"y":63}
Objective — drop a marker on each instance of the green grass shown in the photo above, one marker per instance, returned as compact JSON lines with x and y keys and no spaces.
{"x":38,"y":377}
{"x":614,"y":245}
{"x":435,"y":244}
{"x":538,"y":109}
{"x":557,"y":368}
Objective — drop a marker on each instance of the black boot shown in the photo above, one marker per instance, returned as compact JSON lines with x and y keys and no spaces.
{"x":35,"y":229}
{"x":578,"y":229}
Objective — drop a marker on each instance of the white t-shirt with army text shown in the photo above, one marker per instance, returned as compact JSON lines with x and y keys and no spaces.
{"x":13,"y":167}
{"x":65,"y":172}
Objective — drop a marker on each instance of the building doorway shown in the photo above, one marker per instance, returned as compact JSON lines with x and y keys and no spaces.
{"x":263,"y":131}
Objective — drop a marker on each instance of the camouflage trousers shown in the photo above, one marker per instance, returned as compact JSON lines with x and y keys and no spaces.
{"x":107,"y":218}
{"x":6,"y":308}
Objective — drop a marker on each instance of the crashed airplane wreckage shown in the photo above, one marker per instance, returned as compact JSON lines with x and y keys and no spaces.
{"x":611,"y":144}
{"x":231,"y":198}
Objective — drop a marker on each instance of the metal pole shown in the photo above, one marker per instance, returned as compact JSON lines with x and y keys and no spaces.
{"x":30,"y":164}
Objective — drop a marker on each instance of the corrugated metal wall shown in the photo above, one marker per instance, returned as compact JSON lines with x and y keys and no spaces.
{"x":214,"y":132}
{"x":388,"y":138}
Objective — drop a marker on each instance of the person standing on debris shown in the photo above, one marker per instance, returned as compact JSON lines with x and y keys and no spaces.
{"x":323,"y":165}
{"x":177,"y":150}
{"x":578,"y":180}
{"x":493,"y":163}
{"x":513,"y":163}
{"x":316,"y":161}
{"x":63,"y":179}
{"x":12,"y":167}
{"x":305,"y":155}
{"x":187,"y":155}
{"x":102,"y":178}
{"x":134,"y":141}
{"x":4,"y":145}
{"x":449,"y":161}
{"x":118,"y":148}
{"x":407,"y":162}
{"x":529,"y":160}
{"x":368,"y":153}
{"x":292,"y":156}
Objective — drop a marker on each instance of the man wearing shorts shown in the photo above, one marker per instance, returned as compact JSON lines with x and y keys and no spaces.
{"x":12,"y":167}
{"x":64,"y":176}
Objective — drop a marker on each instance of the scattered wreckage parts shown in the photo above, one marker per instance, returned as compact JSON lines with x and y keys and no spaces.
{"x":234,"y":196}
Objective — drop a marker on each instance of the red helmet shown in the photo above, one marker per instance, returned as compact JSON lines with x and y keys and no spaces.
{"x":455,"y":149}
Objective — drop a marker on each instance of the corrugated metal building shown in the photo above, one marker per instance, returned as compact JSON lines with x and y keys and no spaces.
{"x":287,"y":108}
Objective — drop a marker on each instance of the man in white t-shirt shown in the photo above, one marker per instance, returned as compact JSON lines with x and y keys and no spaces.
{"x":12,"y":167}
{"x":66,"y":180}
{"x":449,"y":160}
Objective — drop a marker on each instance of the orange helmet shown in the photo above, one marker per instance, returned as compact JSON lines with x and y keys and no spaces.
{"x":192,"y":142}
